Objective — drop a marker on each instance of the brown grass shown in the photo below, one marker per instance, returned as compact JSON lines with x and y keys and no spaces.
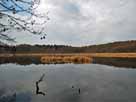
{"x":66,"y":59}
{"x":70,"y":57}
{"x":115,"y":55}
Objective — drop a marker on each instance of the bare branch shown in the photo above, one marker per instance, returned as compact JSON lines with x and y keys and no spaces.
{"x":21,"y":15}
{"x":37,"y":86}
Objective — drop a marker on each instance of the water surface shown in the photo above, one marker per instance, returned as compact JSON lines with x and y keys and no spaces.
{"x":97,"y":83}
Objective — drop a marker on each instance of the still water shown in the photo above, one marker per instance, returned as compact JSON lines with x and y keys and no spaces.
{"x":97,"y":83}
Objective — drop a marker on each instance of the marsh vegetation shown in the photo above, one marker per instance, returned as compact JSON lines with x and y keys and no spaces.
{"x":113,"y":59}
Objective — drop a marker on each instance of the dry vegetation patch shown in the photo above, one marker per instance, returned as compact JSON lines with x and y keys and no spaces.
{"x":66,"y":59}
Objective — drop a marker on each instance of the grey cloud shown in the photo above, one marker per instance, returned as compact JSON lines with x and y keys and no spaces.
{"x":81,"y":22}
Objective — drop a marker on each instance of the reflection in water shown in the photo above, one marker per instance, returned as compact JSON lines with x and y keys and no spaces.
{"x":20,"y":97}
{"x":67,"y":83}
{"x":68,"y":95}
{"x":27,"y":60}
{"x":8,"y":98}
{"x":23,"y":97}
{"x":118,"y":62}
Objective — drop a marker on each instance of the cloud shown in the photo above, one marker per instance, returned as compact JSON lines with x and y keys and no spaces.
{"x":85,"y":22}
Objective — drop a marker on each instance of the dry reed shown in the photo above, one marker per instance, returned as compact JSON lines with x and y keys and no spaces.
{"x":66,"y":59}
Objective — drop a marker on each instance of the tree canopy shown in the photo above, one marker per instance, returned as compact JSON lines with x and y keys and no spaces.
{"x":21,"y":15}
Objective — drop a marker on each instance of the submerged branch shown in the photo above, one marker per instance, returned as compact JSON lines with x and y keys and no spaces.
{"x":37,"y":86}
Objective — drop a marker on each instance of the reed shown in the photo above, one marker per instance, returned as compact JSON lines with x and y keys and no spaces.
{"x":66,"y":59}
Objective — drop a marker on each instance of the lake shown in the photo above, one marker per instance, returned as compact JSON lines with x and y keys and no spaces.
{"x":67,"y":83}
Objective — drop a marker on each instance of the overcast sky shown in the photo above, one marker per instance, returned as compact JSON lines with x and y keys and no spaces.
{"x":86,"y":22}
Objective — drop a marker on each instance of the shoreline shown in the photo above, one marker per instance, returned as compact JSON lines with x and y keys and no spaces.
{"x":113,"y":59}
{"x":112,"y":55}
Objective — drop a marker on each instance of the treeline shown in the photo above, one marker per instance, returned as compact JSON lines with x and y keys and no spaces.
{"x":124,"y":46}
{"x":25,"y":48}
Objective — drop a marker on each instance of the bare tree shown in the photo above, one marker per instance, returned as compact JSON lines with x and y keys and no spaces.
{"x":21,"y":15}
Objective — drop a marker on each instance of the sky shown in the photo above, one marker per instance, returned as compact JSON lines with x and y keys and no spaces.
{"x":85,"y":22}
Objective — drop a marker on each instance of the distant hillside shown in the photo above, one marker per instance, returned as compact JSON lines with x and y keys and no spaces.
{"x":124,"y":46}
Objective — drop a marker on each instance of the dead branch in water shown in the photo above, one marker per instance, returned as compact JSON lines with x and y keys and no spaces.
{"x":37,"y":86}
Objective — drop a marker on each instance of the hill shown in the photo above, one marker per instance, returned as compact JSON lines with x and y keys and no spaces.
{"x":124,"y":46}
